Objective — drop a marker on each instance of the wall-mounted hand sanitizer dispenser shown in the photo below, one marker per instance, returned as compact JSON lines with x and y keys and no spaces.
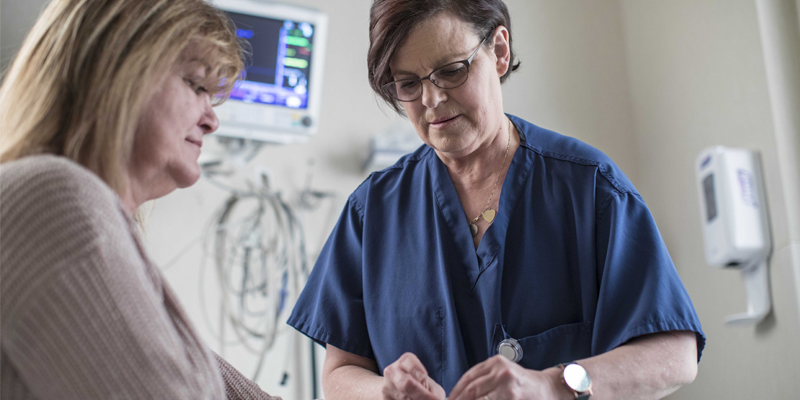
{"x":736,"y":229}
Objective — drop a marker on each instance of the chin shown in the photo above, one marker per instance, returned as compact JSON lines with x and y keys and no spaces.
{"x":449,"y":144}
{"x":187,"y":176}
{"x":190,"y":181}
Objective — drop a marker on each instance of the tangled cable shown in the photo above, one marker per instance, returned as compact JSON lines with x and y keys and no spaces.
{"x":257,"y":244}
{"x":261,"y":261}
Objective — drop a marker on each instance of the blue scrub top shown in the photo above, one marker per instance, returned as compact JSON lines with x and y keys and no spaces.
{"x":572,"y":266}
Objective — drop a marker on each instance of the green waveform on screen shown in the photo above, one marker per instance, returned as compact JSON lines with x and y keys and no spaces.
{"x":295,"y":62}
{"x":296,"y":41}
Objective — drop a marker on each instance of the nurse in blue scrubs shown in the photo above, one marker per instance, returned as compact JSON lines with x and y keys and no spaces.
{"x":500,"y":260}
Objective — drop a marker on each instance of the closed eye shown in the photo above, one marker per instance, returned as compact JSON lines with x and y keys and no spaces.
{"x":452,"y":71}
{"x":197,"y":88}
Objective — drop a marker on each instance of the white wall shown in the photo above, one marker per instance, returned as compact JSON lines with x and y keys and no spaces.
{"x":780,"y":39}
{"x":648,"y":82}
{"x":697,"y":79}
{"x":573,"y":75}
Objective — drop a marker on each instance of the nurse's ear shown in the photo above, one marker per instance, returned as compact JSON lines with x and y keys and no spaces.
{"x":501,"y":50}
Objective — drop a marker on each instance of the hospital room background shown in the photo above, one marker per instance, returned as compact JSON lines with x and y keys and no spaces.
{"x":650,"y":83}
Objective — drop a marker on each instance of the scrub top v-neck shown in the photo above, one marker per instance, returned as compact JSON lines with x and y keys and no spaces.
{"x":572,"y":266}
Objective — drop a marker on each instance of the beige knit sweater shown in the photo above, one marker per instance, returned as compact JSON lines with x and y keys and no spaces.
{"x":84,"y":314}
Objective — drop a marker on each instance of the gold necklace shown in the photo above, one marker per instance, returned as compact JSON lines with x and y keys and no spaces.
{"x":488,"y":214}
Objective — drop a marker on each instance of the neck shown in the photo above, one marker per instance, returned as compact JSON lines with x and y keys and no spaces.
{"x":480,"y":167}
{"x":129,"y":200}
{"x":136,"y":191}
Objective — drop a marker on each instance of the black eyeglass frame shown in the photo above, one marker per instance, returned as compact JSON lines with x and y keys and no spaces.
{"x":466,"y":63}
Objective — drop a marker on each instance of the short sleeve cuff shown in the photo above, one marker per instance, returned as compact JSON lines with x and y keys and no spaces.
{"x":324,"y":338}
{"x":663,"y":325}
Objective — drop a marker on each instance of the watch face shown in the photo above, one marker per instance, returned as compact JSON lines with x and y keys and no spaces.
{"x":577,"y":378}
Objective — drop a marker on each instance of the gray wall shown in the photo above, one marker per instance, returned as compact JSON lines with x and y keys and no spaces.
{"x":16,"y":18}
{"x":698,"y":79}
{"x":648,"y":82}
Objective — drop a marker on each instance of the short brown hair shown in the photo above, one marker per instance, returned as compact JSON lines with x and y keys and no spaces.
{"x":391,"y":21}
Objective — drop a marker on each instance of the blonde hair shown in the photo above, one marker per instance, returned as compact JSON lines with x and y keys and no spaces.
{"x":79,"y":82}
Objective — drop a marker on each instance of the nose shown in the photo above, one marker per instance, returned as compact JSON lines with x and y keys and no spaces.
{"x":208,"y":121}
{"x":432,"y":95}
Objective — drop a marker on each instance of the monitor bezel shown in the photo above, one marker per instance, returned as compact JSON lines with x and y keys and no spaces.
{"x":296,"y":13}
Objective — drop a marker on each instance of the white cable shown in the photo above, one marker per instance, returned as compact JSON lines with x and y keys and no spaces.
{"x":259,"y":252}
{"x":257,"y":244}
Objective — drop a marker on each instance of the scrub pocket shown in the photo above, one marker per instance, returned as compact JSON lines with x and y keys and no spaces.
{"x":562,"y":344}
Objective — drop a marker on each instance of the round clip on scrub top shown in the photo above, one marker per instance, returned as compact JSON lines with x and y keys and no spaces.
{"x":510,"y":349}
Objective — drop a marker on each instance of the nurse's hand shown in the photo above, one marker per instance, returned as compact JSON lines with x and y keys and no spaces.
{"x":502,"y":379}
{"x":407,"y":379}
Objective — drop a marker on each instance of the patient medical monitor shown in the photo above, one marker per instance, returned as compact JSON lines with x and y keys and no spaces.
{"x":278,"y":100}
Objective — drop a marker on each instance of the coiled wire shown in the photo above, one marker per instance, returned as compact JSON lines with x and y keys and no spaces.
{"x":261,"y":264}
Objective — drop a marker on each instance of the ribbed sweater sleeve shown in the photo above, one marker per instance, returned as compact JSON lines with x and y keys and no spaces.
{"x":237,"y":386}
{"x":82,"y":317}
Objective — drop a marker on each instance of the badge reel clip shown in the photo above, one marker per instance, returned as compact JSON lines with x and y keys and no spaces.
{"x":510,"y":349}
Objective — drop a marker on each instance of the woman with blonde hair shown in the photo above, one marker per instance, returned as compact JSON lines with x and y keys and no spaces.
{"x":104,"y":108}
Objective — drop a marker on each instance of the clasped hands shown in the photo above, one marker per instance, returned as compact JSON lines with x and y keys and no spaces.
{"x":495,"y":379}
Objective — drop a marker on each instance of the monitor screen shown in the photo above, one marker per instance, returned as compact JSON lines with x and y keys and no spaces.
{"x":278,"y":71}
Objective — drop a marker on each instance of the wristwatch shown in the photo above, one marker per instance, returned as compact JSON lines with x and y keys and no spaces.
{"x":577,"y":380}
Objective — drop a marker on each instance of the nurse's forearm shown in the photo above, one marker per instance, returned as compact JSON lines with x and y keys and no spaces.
{"x":352,"y":382}
{"x":649,"y":367}
{"x":347,"y":376}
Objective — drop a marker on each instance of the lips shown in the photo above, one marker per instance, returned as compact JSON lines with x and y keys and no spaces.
{"x":198,"y":143}
{"x":443,"y":122}
{"x":444,"y":119}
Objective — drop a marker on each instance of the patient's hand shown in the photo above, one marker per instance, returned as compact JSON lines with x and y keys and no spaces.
{"x":407,"y":378}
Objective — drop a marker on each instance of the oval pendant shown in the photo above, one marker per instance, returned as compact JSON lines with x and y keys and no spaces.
{"x":488,"y":215}
{"x":473,"y":229}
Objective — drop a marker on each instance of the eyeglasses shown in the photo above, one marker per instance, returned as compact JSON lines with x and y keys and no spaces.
{"x":449,"y":76}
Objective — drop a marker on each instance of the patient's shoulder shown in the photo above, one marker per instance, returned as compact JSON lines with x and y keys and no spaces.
{"x":49,"y":198}
{"x":45,"y":171}
{"x":54,"y":214}
{"x":51,"y":180}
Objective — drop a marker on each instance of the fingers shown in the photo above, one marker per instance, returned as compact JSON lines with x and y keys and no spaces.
{"x":407,"y":378}
{"x":497,"y":375}
{"x":477,"y":388}
{"x":409,"y":363}
{"x":479,"y":370}
{"x":409,"y":390}
{"x":436,"y":389}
